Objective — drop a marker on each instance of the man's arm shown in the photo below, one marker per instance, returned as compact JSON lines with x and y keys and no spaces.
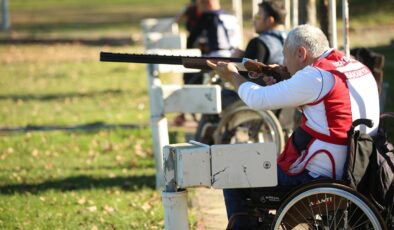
{"x":228,"y":72}
{"x":306,"y":86}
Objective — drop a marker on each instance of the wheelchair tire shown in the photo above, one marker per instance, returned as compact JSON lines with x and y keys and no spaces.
{"x":327,"y":206}
{"x":241,"y":124}
{"x":206,"y":127}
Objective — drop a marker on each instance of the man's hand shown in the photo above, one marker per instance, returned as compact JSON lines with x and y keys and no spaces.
{"x":227,"y":71}
{"x":268,"y":80}
{"x":278,"y":72}
{"x":223,"y":69}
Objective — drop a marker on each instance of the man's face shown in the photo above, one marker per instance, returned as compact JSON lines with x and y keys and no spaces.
{"x":290,"y":60}
{"x":261,"y":22}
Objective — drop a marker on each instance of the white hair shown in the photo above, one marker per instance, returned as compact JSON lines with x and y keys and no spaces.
{"x":310,"y":37}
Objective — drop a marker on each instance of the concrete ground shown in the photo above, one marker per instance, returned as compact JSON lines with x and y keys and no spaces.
{"x":207,"y":204}
{"x":209,"y":208}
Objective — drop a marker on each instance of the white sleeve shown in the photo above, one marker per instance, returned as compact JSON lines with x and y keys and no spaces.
{"x":306,"y":86}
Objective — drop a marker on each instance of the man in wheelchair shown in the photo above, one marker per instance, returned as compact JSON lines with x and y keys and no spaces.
{"x":332,"y":91}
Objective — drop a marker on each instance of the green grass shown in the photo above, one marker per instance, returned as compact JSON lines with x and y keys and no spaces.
{"x":83,"y":178}
{"x":78,"y":180}
{"x":92,"y":178}
{"x":371,"y":13}
{"x":66,"y":83}
{"x":70,"y":18}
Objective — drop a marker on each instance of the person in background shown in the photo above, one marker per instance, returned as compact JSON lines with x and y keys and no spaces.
{"x":269,"y":25}
{"x":216,"y":33}
{"x":189,"y":15}
{"x":267,"y":48}
{"x":332,"y":91}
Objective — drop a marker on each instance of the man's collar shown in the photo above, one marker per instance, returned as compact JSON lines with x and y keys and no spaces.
{"x":325,"y":53}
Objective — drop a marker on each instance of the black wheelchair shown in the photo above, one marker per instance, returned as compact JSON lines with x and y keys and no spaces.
{"x":317,"y":205}
{"x":321,"y":204}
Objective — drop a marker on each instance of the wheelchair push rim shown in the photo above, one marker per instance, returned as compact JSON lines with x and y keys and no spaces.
{"x":327,"y":206}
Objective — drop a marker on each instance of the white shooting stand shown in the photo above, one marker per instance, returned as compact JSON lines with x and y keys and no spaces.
{"x":174,"y":98}
{"x":161,"y":36}
{"x":218,"y":166}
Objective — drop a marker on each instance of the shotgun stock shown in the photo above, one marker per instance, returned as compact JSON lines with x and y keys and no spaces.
{"x":243,"y":64}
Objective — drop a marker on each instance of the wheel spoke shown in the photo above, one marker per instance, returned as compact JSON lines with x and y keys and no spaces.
{"x":320,"y":213}
{"x":336,"y":225}
{"x":363,"y":224}
{"x":342,"y":216}
{"x":300,"y":213}
{"x":335,"y":211}
{"x":308,"y":208}
{"x":313,"y":213}
{"x":295,"y":220}
{"x":325,"y":196}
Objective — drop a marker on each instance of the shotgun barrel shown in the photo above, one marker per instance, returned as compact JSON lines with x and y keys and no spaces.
{"x":187,"y":61}
{"x":243,"y":64}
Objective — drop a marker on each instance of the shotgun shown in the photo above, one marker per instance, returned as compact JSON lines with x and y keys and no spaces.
{"x":243,"y":64}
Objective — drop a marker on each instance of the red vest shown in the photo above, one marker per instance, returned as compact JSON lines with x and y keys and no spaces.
{"x":336,"y":102}
{"x":337,"y":106}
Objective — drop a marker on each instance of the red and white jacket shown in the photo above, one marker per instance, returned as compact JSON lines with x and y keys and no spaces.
{"x":331,"y":93}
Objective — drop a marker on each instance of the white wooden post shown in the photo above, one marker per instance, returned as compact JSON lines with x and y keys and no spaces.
{"x":255,"y":7}
{"x":287,"y":20}
{"x":158,"y":121}
{"x":5,"y":23}
{"x":175,"y":210}
{"x":294,"y":13}
{"x":164,"y":99}
{"x":345,"y":20}
{"x":333,"y":23}
{"x":237,"y":8}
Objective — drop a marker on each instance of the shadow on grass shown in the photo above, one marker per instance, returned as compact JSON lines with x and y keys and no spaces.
{"x":72,"y":128}
{"x":131,"y":183}
{"x":60,"y":96}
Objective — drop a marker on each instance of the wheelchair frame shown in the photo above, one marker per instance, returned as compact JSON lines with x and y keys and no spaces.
{"x":325,"y":204}
{"x":320,"y":204}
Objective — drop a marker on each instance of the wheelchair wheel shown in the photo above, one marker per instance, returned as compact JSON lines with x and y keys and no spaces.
{"x":241,"y":124}
{"x":327,"y":206}
{"x":206,"y":127}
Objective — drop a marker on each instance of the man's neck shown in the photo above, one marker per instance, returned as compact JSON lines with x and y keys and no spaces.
{"x":278,"y":27}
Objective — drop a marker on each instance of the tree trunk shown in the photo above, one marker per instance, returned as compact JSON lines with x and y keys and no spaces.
{"x":307,"y":9}
{"x":324,"y":17}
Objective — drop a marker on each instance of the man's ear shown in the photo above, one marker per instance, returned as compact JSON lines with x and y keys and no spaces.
{"x":301,"y":54}
{"x":271,"y":20}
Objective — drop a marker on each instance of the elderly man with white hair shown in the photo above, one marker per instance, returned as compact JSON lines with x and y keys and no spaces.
{"x":330,"y":89}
